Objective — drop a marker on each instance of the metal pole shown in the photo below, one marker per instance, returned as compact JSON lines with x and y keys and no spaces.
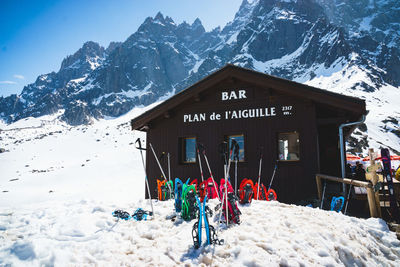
{"x":347,"y":200}
{"x":273,"y":175}
{"x":212,"y":177}
{"x":323,"y":195}
{"x":162,"y":172}
{"x":201,"y":169}
{"x":236,"y":177}
{"x":341,"y":140}
{"x":259,"y":176}
{"x":169,"y":168}
{"x":145,"y":173}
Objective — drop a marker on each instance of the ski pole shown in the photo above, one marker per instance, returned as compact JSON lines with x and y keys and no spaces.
{"x":230,"y":158}
{"x":273,"y":175}
{"x":209,"y":169}
{"x":161,"y":158}
{"x":323,"y":195}
{"x":169,"y":168}
{"x":226,"y":181}
{"x":162,"y":172}
{"x":259,"y":172}
{"x":201,"y":169}
{"x":347,"y":199}
{"x":223,"y":154}
{"x":146,"y":180}
{"x":236,"y":157}
{"x":226,"y":191}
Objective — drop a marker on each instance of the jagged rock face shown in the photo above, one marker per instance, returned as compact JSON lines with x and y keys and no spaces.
{"x":355,"y":41}
{"x":373,"y":28}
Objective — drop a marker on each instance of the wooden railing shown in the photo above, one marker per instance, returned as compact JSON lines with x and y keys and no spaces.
{"x":374,"y":208}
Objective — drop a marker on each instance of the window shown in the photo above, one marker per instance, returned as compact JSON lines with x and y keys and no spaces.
{"x":289,"y":146}
{"x":239,"y":138}
{"x":188,"y":145}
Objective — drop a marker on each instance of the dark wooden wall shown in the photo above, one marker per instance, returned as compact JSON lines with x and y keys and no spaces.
{"x":294,"y":180}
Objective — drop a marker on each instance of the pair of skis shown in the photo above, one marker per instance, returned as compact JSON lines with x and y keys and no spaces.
{"x":211,"y":235}
{"x":387,"y":174}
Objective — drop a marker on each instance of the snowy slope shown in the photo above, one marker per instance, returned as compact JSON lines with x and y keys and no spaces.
{"x":50,"y":160}
{"x":383,"y":104}
{"x":59,"y":185}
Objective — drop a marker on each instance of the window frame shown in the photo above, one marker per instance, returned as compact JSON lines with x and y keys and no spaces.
{"x":182,"y":144}
{"x":299,"y":151}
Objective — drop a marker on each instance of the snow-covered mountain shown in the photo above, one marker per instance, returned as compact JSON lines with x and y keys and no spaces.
{"x":350,"y":47}
{"x":59,"y":185}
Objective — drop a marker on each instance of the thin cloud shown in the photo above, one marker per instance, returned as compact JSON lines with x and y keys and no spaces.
{"x":19,"y":76}
{"x":7,"y":82}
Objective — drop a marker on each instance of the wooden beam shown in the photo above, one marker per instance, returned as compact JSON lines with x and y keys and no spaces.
{"x":344,"y":180}
{"x":371,"y":203}
{"x":374,"y":167}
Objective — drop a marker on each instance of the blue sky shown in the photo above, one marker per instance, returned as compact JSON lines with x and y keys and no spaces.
{"x":36,"y":35}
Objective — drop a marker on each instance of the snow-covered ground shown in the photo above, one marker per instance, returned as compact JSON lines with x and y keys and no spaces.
{"x":60,"y":184}
{"x":271,"y":234}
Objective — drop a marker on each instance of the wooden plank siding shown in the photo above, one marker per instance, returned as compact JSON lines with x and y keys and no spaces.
{"x":293,"y":180}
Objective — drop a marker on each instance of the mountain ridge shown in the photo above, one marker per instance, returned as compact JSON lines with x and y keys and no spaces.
{"x":308,"y":41}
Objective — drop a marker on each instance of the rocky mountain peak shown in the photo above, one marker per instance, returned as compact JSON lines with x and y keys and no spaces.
{"x":86,"y":55}
{"x":112,"y":46}
{"x":159,"y":17}
{"x":169,"y":20}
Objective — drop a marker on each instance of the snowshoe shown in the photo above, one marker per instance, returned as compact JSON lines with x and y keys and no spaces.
{"x":233,"y":210}
{"x":189,"y":208}
{"x":246,"y":191}
{"x":263,"y":192}
{"x":141,"y":214}
{"x":120,"y":214}
{"x":178,"y":194}
{"x":211,"y":234}
{"x":194,"y":182}
{"x":202,"y":190}
{"x":211,"y":191}
{"x":169,"y":194}
{"x":161,"y":189}
{"x":271,"y":195}
{"x":337,"y":203}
